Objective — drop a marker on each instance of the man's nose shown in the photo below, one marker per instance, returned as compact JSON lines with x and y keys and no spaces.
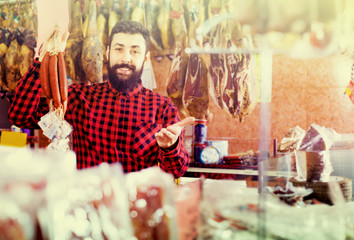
{"x":127,"y":57}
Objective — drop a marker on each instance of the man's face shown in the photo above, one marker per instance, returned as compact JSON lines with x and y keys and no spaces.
{"x":126,"y":58}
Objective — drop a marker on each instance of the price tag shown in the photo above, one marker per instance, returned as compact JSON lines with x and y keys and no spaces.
{"x":57,"y":130}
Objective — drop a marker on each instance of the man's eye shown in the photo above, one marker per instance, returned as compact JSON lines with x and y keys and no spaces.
{"x":135,"y":52}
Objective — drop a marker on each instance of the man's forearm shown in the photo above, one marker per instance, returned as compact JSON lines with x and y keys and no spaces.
{"x":27,"y":107}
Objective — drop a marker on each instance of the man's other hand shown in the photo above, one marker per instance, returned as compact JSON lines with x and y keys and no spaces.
{"x":166,"y":137}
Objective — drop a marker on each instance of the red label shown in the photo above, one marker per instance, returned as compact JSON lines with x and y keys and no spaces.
{"x":350,"y":91}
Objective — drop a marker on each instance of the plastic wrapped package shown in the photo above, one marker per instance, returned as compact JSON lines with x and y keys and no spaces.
{"x":152,"y":204}
{"x":313,"y":166}
{"x":91,"y":204}
{"x":23,"y":180}
{"x":312,"y":157}
{"x":234,"y":213}
{"x":188,"y":197}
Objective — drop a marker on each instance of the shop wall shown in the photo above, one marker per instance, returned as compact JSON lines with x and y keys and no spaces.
{"x":303,"y":92}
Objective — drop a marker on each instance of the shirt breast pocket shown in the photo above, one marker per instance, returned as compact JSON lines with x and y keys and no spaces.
{"x":144,"y":139}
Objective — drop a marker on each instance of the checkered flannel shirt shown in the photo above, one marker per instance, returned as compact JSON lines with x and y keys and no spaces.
{"x":108,"y":126}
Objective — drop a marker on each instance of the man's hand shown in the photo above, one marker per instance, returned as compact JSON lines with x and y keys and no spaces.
{"x":51,"y":13}
{"x":166,"y":137}
{"x":54,"y":43}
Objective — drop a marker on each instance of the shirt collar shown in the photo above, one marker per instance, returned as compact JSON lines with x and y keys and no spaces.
{"x":133,"y":92}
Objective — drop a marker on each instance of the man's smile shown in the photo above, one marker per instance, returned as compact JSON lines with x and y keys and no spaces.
{"x":124,"y":71}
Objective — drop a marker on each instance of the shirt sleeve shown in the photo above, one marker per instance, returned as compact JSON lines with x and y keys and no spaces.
{"x":28,"y":106}
{"x":175,"y":161}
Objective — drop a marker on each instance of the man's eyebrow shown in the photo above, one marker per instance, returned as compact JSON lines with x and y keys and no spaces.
{"x":122,"y":45}
{"x":135,"y":46}
{"x":119,"y":44}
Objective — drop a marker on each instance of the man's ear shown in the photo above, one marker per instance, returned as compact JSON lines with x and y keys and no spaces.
{"x":107,"y":52}
{"x":147,"y":57}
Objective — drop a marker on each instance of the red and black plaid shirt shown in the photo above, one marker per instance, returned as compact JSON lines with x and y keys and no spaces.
{"x":108,"y":126}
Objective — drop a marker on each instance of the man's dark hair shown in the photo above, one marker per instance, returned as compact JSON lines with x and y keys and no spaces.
{"x":131,"y":27}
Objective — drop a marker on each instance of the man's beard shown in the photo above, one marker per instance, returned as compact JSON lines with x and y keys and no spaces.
{"x":124,"y":85}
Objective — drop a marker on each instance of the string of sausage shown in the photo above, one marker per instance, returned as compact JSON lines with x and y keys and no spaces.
{"x":53,"y":79}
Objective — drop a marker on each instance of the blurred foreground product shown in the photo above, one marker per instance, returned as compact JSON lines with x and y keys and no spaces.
{"x":90,"y":204}
{"x":152,"y":204}
{"x":234,"y":211}
{"x":14,"y":223}
{"x":23,"y":179}
{"x":188,"y":198}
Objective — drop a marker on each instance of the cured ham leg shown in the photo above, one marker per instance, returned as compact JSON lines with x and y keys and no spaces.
{"x":233,"y":77}
{"x":176,"y":78}
{"x":196,"y":87}
{"x":74,"y":46}
{"x":177,"y":73}
{"x":92,"y":55}
{"x":217,"y":71}
{"x":247,"y":82}
{"x":195,"y":94}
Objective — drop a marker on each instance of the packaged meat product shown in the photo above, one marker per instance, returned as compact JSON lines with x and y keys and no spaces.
{"x":152,"y":206}
{"x":291,"y":139}
{"x":91,"y":204}
{"x":290,"y":142}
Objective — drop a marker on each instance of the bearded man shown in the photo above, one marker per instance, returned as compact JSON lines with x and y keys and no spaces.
{"x":118,"y":120}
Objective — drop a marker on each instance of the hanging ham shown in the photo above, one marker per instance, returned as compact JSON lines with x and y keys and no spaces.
{"x":233,"y":76}
{"x":92,"y":55}
{"x":74,"y":45}
{"x":217,"y":71}
{"x":11,"y":62}
{"x":177,"y":73}
{"x":247,"y":81}
{"x":195,"y":92}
